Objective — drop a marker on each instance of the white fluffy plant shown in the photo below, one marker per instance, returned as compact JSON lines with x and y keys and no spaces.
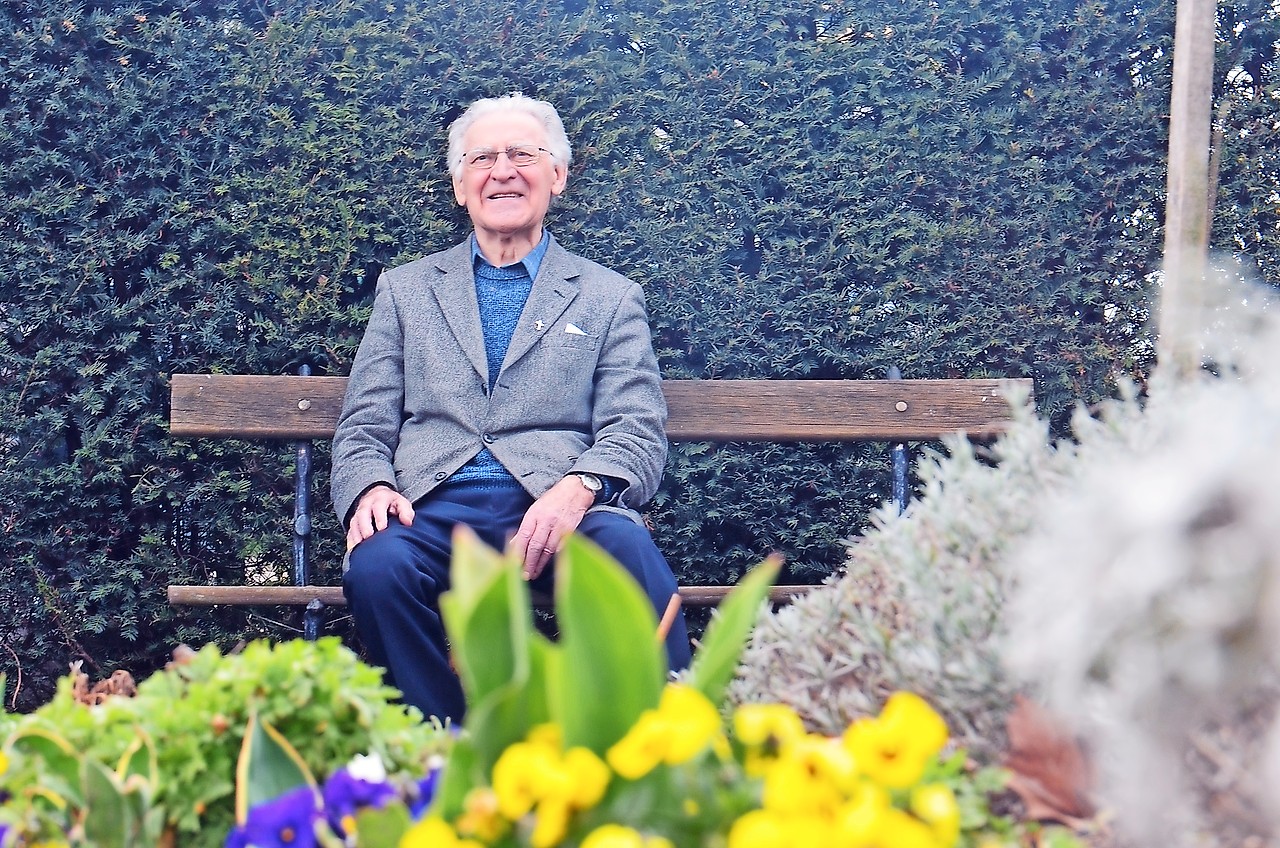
{"x":919,"y":606}
{"x":1148,"y":599}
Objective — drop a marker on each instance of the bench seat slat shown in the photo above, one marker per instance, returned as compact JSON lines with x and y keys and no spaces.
{"x":285,"y":407}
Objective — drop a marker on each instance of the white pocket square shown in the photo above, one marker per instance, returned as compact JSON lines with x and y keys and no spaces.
{"x":574,"y":330}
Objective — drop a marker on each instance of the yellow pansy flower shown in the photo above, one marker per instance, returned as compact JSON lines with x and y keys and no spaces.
{"x":811,"y":777}
{"x":766,"y":724}
{"x":682,"y":726}
{"x":896,"y":829}
{"x":551,"y":823}
{"x":858,"y":819}
{"x":433,"y":832}
{"x":692,"y":720}
{"x":588,"y":777}
{"x":759,"y":829}
{"x":620,"y":836}
{"x":936,"y":805}
{"x":911,"y":712}
{"x":535,"y":777}
{"x":519,"y":777}
{"x":481,"y":816}
{"x":765,"y":730}
{"x":639,"y":752}
{"x":895,"y":748}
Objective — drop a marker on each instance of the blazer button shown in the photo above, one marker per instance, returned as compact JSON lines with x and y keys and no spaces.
{"x":487,"y":439}
{"x":440,"y":475}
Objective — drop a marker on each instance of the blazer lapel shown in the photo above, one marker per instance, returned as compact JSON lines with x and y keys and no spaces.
{"x":556,"y":287}
{"x":455,"y":291}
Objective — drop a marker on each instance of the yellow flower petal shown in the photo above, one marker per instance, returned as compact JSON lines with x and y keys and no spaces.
{"x":759,"y":829}
{"x":636,"y":754}
{"x":692,"y":722}
{"x":936,"y":805}
{"x":590,"y":777}
{"x":613,"y":836}
{"x":766,"y":725}
{"x":430,"y":832}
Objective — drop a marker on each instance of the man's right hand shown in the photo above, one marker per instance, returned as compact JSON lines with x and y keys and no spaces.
{"x":373,"y":513}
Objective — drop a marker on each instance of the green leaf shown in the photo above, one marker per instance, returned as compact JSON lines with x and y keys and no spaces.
{"x":109,"y":820}
{"x":268,"y":768}
{"x":461,"y":772}
{"x":382,"y":826}
{"x":59,"y":766}
{"x":613,"y":665}
{"x":489,"y":619}
{"x":717,"y":658}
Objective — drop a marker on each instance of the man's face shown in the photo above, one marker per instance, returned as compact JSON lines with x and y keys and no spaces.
{"x":506,"y":200}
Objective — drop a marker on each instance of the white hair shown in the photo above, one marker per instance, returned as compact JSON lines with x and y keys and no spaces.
{"x":544,"y":112}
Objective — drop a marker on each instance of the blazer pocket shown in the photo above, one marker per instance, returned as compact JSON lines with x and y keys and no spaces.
{"x":572,"y":341}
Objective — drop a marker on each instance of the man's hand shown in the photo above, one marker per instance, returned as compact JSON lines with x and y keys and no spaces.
{"x":374,"y":511}
{"x":548,"y":522}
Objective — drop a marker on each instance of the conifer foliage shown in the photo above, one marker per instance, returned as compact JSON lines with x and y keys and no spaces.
{"x":965,"y":188}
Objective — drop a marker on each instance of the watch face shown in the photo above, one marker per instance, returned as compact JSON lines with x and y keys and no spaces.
{"x":591,"y":481}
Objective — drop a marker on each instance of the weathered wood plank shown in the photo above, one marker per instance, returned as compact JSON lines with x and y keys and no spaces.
{"x":834,"y":410}
{"x":254,"y":406}
{"x":284,"y":407}
{"x":695,"y":596}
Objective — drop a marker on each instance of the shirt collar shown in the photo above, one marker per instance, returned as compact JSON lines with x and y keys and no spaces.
{"x":531,"y":262}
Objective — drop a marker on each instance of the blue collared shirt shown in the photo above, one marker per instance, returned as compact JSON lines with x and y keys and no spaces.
{"x":532,"y":262}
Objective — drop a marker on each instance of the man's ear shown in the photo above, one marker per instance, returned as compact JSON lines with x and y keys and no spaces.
{"x":459,"y":192}
{"x":561,"y":180}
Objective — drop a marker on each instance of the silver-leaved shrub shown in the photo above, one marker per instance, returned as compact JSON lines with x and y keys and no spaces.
{"x":920,"y":603}
{"x":1148,"y":594}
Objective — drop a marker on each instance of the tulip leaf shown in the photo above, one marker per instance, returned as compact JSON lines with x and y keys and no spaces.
{"x":268,"y":768}
{"x":722,"y":643}
{"x":612,"y":665}
{"x":60,"y":769}
{"x":109,"y":821}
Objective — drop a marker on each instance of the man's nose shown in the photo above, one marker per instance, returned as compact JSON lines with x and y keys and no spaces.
{"x":503,"y":169}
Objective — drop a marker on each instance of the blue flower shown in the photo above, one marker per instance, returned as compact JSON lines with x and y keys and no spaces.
{"x":285,"y":822}
{"x":425,"y":792}
{"x":345,"y":794}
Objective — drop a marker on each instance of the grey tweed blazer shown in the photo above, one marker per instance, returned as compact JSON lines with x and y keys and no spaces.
{"x":579,"y":389}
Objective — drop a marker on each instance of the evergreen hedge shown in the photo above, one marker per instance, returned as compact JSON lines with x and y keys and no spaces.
{"x":961,"y":188}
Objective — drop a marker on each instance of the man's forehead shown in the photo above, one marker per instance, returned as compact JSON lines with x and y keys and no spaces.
{"x":505,"y":127}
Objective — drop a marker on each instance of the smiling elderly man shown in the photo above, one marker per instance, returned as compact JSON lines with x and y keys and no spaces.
{"x":505,"y":384}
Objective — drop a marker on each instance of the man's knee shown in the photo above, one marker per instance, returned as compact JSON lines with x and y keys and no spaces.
{"x":631,"y":545}
{"x":385,"y":565}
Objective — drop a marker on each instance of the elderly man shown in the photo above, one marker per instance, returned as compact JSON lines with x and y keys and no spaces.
{"x":505,"y":384}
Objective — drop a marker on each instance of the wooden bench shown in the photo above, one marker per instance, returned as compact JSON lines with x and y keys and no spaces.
{"x":305,"y":408}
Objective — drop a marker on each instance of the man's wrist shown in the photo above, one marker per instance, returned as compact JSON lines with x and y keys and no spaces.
{"x":604,"y":489}
{"x":592,"y":483}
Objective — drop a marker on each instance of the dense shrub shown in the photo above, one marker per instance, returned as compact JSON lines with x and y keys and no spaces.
{"x":960,"y":189}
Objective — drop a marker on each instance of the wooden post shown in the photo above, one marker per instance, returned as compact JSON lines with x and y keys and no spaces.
{"x":1186,"y":238}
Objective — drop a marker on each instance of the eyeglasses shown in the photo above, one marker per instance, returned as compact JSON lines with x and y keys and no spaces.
{"x":520,"y":155}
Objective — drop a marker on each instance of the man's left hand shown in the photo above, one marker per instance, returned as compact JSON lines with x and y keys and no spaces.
{"x":548,"y":523}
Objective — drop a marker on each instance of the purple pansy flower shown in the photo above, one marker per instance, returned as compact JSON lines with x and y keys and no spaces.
{"x":425,"y":793}
{"x":285,"y":822}
{"x":345,"y":794}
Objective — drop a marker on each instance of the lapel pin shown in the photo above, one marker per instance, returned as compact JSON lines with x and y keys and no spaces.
{"x":538,"y":325}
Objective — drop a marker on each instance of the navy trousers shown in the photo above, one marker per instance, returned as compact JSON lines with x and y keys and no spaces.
{"x":395,"y":578}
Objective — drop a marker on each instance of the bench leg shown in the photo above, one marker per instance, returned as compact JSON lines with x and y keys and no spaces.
{"x":313,"y":620}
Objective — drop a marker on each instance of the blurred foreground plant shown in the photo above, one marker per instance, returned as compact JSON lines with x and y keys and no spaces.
{"x":581,"y":743}
{"x":148,"y":769}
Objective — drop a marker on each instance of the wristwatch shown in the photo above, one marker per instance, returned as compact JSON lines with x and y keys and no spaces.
{"x":591,"y":483}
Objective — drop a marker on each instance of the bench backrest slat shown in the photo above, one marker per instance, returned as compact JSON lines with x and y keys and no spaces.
{"x":285,"y":407}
